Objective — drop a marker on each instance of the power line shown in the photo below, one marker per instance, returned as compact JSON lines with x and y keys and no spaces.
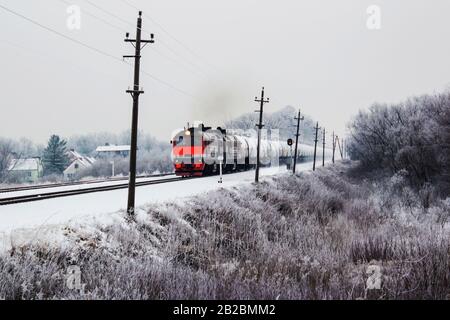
{"x":177,"y":62}
{"x":169,"y":34}
{"x":97,"y":17}
{"x":60,"y":34}
{"x":109,"y":13}
{"x":165,"y":83}
{"x":125,"y":30}
{"x":53,"y":58}
{"x":91,"y":48}
{"x":164,"y":44}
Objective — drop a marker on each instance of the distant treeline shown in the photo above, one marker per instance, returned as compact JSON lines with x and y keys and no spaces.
{"x":282,"y":120}
{"x":153,"y":155}
{"x":410,"y":138}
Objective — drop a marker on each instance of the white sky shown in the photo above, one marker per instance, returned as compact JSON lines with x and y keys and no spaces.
{"x":315,"y":54}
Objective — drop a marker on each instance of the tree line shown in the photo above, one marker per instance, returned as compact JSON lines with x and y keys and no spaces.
{"x":153,"y":155}
{"x":282,"y":120}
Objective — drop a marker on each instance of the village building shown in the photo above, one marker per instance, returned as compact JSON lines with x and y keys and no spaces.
{"x":77,"y":162}
{"x":26,"y":170}
{"x":111,"y":151}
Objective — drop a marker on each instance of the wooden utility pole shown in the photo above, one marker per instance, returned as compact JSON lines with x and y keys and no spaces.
{"x":259,"y":126}
{"x":299,"y":118}
{"x":339,"y":147}
{"x":315,"y":146}
{"x":135,"y":93}
{"x":323,"y":149}
{"x":334,"y":147}
{"x":344,"y":148}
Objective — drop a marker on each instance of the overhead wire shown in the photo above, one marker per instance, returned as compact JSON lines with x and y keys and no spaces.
{"x":90,"y":14}
{"x":162,"y":42}
{"x":90,"y":47}
{"x":182,"y":44}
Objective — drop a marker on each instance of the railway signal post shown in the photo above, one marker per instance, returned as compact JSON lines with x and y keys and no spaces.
{"x":290,"y":143}
{"x":315,"y":145}
{"x":138,"y":43}
{"x":259,"y":126}
{"x":299,"y":118}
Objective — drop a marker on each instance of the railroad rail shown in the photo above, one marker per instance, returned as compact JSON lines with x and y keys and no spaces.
{"x":67,"y":193}
{"x":76,"y":183}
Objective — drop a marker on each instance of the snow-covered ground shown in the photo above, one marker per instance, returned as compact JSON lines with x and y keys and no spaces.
{"x":33,"y":218}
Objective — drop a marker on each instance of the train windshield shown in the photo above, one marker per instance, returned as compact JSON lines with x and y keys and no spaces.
{"x":184,"y":140}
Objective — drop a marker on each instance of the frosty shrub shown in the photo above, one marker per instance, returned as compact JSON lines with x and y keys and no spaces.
{"x":309,"y":236}
{"x":412,"y":137}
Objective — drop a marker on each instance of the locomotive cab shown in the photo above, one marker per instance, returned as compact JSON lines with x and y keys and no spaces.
{"x":187,"y":152}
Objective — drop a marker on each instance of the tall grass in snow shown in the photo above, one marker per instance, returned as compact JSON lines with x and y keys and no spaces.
{"x":309,"y":236}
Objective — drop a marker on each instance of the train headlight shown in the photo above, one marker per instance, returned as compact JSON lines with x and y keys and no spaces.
{"x":188,"y":133}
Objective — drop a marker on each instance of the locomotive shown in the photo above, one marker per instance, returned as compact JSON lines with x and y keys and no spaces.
{"x":199,"y":151}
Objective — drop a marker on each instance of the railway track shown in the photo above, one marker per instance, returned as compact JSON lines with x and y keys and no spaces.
{"x":67,"y":193}
{"x":77,"y":183}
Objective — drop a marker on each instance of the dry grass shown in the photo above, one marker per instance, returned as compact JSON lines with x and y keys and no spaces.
{"x":311,"y":236}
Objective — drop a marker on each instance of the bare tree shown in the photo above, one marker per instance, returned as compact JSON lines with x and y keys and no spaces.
{"x":6,"y":155}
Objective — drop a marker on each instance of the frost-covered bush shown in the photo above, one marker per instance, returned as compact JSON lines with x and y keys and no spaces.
{"x":412,"y":137}
{"x":309,"y":236}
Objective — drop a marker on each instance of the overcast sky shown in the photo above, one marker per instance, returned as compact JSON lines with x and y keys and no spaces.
{"x":317,"y":55}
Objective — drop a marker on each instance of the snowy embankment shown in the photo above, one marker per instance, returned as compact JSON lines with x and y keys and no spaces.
{"x":34,"y":221}
{"x":309,"y":236}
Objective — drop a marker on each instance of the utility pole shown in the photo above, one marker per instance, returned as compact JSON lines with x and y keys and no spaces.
{"x":339,"y":147}
{"x":344,"y":147}
{"x":323,"y":151}
{"x":259,"y":126}
{"x":299,"y":118}
{"x":334,"y":147}
{"x":135,"y":93}
{"x":315,"y":145}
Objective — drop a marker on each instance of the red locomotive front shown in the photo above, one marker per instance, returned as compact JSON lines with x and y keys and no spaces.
{"x":187,"y":152}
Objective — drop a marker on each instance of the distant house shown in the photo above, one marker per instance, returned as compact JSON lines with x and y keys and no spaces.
{"x":77,"y":163}
{"x":110,"y":151}
{"x":26,"y":170}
